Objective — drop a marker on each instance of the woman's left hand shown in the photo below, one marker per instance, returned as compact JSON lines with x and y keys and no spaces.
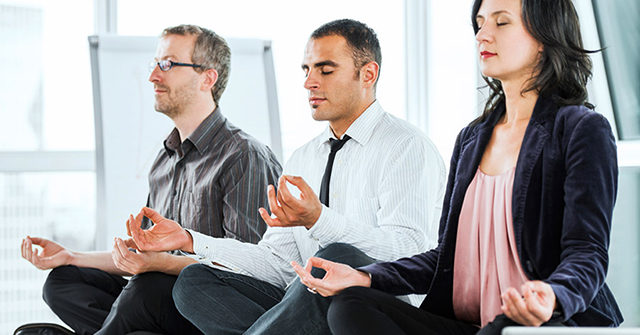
{"x":532,"y":306}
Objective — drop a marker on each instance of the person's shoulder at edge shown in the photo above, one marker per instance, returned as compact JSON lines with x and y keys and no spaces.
{"x":240,"y":142}
{"x":402,"y":130}
{"x":571,"y":115}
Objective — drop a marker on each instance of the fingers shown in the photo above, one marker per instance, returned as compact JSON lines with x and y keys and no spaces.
{"x":271,"y":222}
{"x":23,"y":248}
{"x":510,"y":301}
{"x":122,"y":256}
{"x":540,"y":299}
{"x":134,"y":228}
{"x":30,"y":254}
{"x":26,"y":249}
{"x":37,"y":240}
{"x":39,"y":260}
{"x":151,"y":214}
{"x":128,"y":226}
{"x":305,"y":190}
{"x":284,"y":195}
{"x":314,"y":284}
{"x":304,"y":274}
{"x":35,"y":258}
{"x":280,"y":220}
{"x":319,"y":263}
{"x":273,"y":201}
{"x":516,"y":309}
{"x":130,"y":243}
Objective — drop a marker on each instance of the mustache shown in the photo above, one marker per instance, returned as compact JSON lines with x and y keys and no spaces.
{"x":162,"y":87}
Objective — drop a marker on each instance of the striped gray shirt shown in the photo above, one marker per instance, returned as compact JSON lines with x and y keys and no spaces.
{"x":215,"y":181}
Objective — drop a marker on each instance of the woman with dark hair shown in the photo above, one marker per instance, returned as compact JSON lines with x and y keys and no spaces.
{"x":526,"y":221}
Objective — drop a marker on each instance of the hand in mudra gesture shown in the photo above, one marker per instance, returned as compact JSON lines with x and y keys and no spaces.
{"x":164,"y":235}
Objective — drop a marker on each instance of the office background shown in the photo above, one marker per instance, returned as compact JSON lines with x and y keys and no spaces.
{"x":47,"y":167}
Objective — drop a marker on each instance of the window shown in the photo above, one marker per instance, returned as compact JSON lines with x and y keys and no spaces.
{"x":47,"y":127}
{"x":624,"y":250}
{"x":619,"y":28}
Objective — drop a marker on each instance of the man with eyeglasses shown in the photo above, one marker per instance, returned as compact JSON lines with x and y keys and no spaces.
{"x":211,"y":177}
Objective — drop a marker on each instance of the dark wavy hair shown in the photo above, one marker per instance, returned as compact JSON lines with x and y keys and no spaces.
{"x":564,"y":67}
{"x":361,"y":40}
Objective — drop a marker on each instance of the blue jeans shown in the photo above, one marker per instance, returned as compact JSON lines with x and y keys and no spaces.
{"x":220,"y":302}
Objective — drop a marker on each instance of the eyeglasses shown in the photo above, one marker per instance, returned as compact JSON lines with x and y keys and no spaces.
{"x":166,"y":65}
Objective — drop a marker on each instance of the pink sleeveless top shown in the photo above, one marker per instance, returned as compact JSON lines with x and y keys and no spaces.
{"x":486,"y":258}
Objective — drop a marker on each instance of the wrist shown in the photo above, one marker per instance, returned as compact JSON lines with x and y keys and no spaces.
{"x":314,"y":217}
{"x":158,"y":261}
{"x":365,"y":278}
{"x":188,"y":246}
{"x":72,"y":259}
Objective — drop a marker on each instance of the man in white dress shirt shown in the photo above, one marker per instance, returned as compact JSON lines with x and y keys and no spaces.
{"x":380,"y":199}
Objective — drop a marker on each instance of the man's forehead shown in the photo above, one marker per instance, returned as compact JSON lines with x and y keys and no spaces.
{"x":175,"y":46}
{"x":333,"y":48}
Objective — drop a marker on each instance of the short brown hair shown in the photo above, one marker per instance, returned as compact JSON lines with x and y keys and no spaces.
{"x":211,"y":51}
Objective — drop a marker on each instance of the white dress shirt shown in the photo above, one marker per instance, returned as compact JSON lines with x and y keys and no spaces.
{"x":386,"y":192}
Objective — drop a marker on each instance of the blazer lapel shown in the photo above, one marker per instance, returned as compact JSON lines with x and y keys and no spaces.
{"x":535,"y":139}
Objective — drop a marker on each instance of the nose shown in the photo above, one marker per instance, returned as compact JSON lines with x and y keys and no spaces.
{"x":484,"y":34}
{"x":154,"y":77}
{"x":311,"y":82}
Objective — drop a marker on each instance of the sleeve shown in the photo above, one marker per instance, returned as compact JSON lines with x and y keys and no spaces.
{"x":410,"y":191}
{"x":244,"y":184}
{"x":268,"y":260}
{"x":413,"y":275}
{"x":589,"y":194}
{"x":146,"y":223}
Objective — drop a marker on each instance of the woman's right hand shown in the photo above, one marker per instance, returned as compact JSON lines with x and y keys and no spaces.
{"x":53,"y":254}
{"x":338,"y":277}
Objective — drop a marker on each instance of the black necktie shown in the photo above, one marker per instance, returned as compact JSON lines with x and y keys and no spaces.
{"x":324,"y":187}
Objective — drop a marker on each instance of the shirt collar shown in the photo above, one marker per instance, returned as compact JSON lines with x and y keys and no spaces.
{"x":362,"y":128}
{"x":200,"y":138}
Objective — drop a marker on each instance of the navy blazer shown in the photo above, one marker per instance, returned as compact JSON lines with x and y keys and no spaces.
{"x":564,"y":191}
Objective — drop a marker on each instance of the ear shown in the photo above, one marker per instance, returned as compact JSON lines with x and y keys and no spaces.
{"x":210,"y":79}
{"x":369,"y":74}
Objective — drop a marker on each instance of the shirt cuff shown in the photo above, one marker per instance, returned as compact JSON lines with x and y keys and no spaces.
{"x":202,"y":246}
{"x":328,"y":229}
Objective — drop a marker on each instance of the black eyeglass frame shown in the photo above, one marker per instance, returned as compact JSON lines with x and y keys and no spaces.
{"x":153,"y":64}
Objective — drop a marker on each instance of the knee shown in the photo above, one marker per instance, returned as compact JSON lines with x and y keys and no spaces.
{"x":143,"y":292}
{"x":350,"y":300}
{"x":144,"y":284}
{"x":53,"y":290}
{"x":190,"y":277}
{"x":335,"y":250}
{"x":344,"y":253}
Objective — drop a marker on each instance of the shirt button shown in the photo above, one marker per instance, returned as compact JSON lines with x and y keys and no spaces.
{"x":529,"y":266}
{"x":335,"y":195}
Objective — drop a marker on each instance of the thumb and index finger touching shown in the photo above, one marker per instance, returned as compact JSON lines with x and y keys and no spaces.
{"x":134,"y":225}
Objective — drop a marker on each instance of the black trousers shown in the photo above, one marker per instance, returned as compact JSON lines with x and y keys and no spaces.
{"x":92,"y":301}
{"x":360,"y":310}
